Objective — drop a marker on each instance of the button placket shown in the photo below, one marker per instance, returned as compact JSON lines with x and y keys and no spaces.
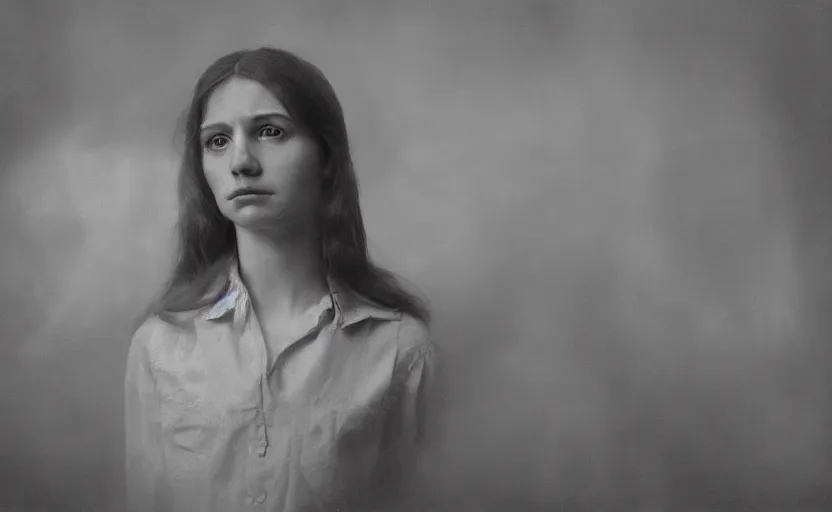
{"x":263,"y":444}
{"x":259,"y":441}
{"x":259,"y":437}
{"x":260,"y":343}
{"x":256,"y":498}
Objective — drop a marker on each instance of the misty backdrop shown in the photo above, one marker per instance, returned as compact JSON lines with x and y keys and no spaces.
{"x":619,"y":210}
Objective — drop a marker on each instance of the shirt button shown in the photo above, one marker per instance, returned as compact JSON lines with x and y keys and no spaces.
{"x":249,"y":500}
{"x":260,"y":498}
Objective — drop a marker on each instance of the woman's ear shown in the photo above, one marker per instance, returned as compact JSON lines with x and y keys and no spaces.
{"x":327,"y":176}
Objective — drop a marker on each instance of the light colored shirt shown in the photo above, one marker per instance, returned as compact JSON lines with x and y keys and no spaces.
{"x":218,"y":421}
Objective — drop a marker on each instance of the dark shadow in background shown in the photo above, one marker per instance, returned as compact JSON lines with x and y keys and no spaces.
{"x":801,"y":92}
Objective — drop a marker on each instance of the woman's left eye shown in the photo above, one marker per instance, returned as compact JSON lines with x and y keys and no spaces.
{"x":271,"y":131}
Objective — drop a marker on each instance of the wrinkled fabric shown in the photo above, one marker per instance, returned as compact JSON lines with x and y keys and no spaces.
{"x":216,"y":420}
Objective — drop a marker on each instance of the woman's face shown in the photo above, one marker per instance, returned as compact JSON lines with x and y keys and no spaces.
{"x":262,"y":167}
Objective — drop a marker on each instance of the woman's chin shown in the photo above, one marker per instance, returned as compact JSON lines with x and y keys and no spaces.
{"x":255,"y":219}
{"x":264,"y":221}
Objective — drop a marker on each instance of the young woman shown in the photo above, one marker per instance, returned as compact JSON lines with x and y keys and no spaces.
{"x":279,"y":369}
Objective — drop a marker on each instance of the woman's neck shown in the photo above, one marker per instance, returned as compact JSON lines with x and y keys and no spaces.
{"x":284,"y":276}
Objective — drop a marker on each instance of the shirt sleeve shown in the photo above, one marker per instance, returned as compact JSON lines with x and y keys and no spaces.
{"x":144,"y":461}
{"x":412,"y":425}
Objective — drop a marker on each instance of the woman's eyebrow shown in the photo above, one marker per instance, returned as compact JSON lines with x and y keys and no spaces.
{"x":253,"y":119}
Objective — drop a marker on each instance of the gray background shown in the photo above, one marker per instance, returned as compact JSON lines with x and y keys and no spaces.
{"x":620,"y":211}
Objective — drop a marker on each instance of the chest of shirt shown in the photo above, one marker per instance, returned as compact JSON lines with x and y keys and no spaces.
{"x":315,"y":410}
{"x":224,"y":367}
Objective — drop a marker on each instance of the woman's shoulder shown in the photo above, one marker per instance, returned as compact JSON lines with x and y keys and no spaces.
{"x":156,"y":329}
{"x":414,"y":336}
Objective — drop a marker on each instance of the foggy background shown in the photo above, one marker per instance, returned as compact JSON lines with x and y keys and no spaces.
{"x":619,"y":210}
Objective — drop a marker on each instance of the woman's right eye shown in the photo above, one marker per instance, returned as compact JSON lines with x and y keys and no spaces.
{"x":216,"y":143}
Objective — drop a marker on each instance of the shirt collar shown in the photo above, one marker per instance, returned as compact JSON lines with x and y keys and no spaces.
{"x":349,"y":308}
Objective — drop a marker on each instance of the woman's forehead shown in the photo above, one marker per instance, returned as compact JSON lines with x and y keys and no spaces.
{"x":238,"y":99}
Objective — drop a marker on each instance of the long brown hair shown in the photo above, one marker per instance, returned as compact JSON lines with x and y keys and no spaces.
{"x":207,"y":240}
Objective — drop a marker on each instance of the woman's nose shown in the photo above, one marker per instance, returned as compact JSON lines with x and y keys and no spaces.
{"x":245,"y":163}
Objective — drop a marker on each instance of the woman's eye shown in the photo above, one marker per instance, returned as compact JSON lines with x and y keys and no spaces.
{"x":217,"y":142}
{"x":271,"y":132}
